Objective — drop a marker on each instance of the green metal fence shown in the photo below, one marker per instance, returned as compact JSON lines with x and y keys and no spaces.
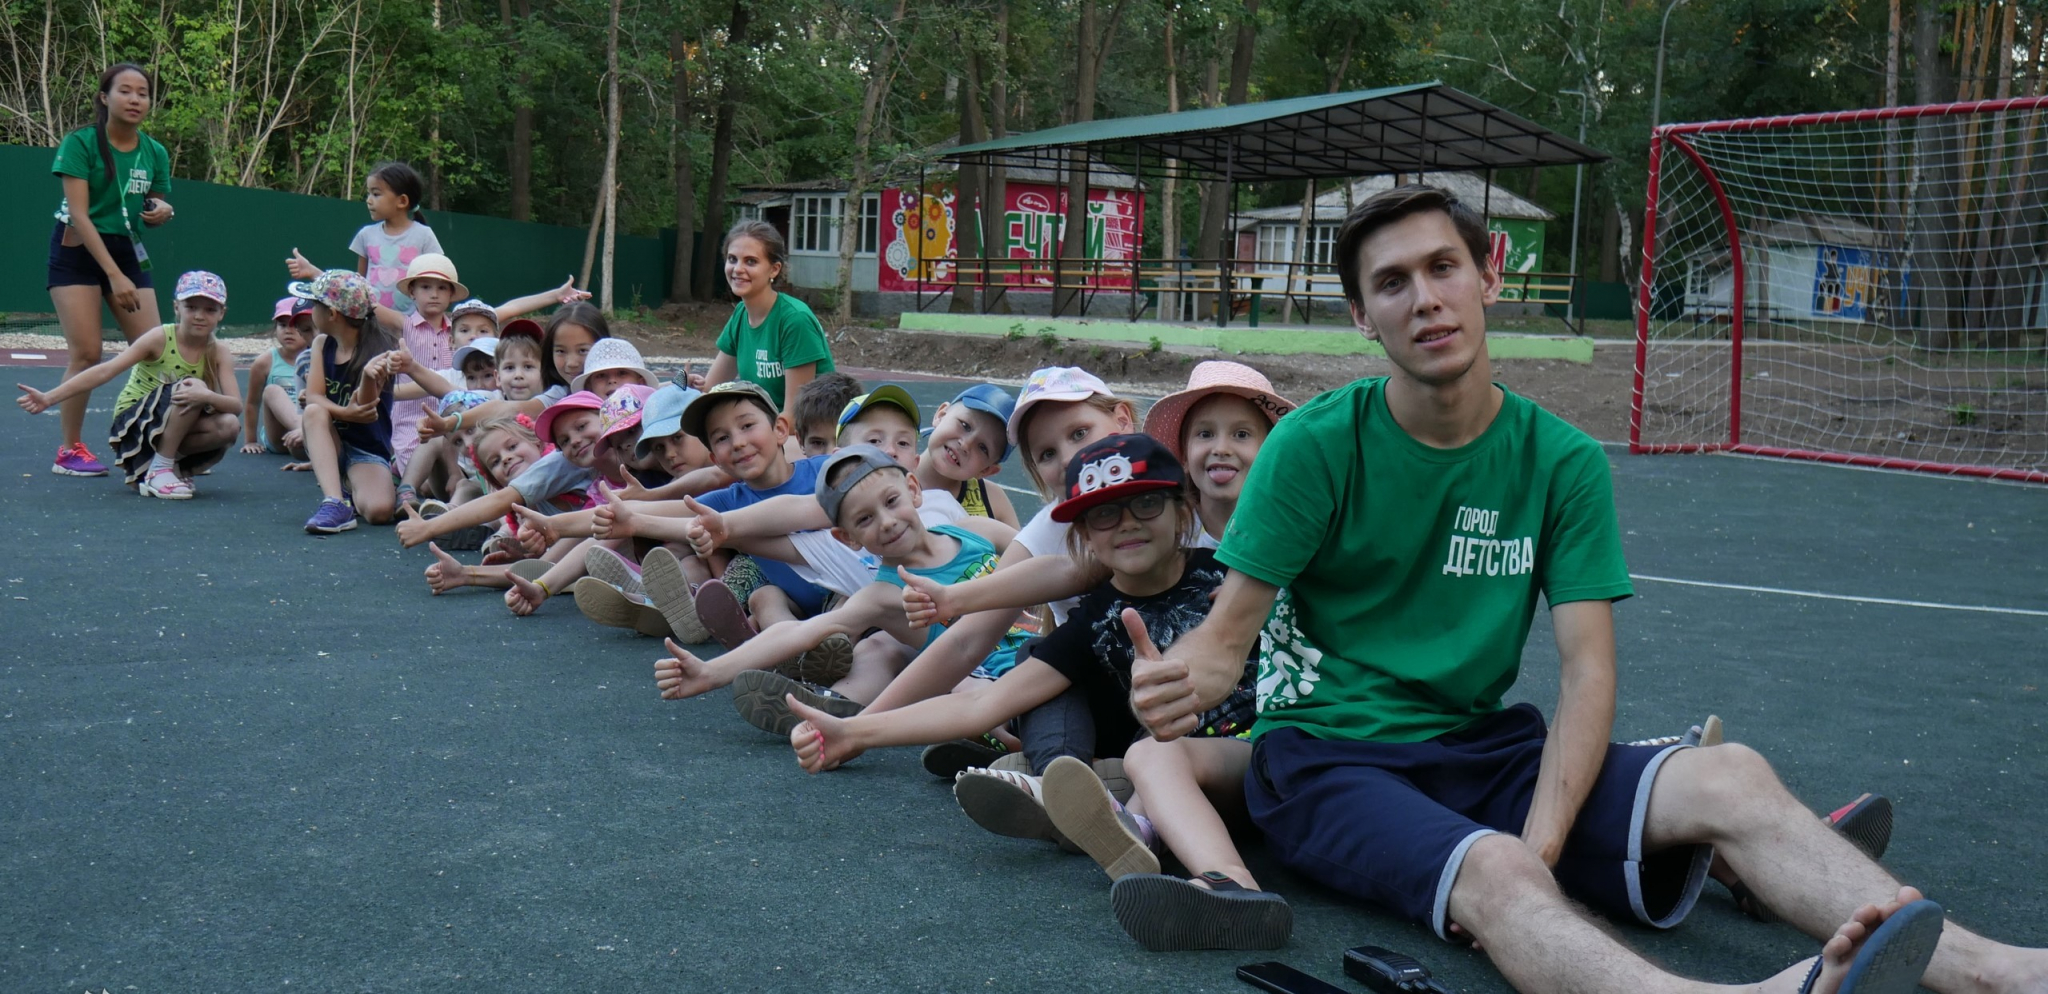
{"x":245,"y":235}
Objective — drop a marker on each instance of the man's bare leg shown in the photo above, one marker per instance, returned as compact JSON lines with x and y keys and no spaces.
{"x":1506,"y":898}
{"x":1805,"y":871}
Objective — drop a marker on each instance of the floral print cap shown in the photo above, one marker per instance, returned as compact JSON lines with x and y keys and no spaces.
{"x":345,"y":292}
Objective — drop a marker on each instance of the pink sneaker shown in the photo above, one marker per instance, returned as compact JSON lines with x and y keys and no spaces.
{"x":76,"y":460}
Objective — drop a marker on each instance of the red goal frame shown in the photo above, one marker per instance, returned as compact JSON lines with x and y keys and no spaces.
{"x":1675,"y":136}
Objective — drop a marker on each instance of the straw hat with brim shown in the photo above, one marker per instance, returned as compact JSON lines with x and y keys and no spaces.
{"x":432,"y":266}
{"x":1216,"y":376}
{"x":695,"y":414}
{"x":582,"y":400}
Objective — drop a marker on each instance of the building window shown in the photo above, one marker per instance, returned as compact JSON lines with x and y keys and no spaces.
{"x":870,"y":224}
{"x":814,"y":224}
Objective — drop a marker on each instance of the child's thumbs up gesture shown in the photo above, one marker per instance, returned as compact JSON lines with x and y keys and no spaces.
{"x":821,"y":740}
{"x":301,"y":267}
{"x":924,"y":601}
{"x":707,"y":531}
{"x":414,"y":529}
{"x":613,"y":519}
{"x":432,"y":424}
{"x":536,"y":530}
{"x":1162,"y":693}
{"x":524,"y":596}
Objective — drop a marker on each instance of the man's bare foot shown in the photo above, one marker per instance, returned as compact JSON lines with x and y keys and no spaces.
{"x":683,"y":675}
{"x":1893,"y":968}
{"x":446,"y":573}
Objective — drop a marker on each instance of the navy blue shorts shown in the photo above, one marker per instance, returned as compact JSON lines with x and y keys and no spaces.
{"x":73,"y":265}
{"x":1391,"y":823}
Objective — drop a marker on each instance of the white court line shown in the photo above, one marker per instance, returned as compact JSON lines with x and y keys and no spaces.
{"x":1979,"y":608}
{"x":26,"y":355}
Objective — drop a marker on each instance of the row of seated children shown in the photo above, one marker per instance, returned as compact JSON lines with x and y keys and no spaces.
{"x":1049,"y":714}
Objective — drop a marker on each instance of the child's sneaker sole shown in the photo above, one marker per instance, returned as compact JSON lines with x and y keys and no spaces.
{"x":605,"y":605}
{"x":721,"y":613}
{"x":1168,"y":914}
{"x":1080,"y":808}
{"x":825,"y":665}
{"x":661,"y":575}
{"x":1002,"y":807}
{"x":947,"y":760}
{"x":758,"y":697}
{"x":613,"y":568}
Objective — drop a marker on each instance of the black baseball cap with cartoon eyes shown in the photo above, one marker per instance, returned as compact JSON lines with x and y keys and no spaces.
{"x":1114,"y":468}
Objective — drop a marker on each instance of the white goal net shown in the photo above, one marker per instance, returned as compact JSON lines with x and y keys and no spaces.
{"x":1867,"y":287}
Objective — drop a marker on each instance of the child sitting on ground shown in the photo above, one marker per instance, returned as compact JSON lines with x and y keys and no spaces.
{"x":793,"y":529}
{"x":436,"y":470}
{"x":549,"y":481}
{"x":1131,"y":499}
{"x":814,"y":414}
{"x":966,"y":448}
{"x":177,"y":414}
{"x":872,"y":502}
{"x":272,"y":424}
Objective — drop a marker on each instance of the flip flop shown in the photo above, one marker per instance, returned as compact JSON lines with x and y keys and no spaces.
{"x":1167,"y":914}
{"x":1893,"y":958}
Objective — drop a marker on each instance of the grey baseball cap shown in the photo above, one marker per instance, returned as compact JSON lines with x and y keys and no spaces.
{"x":832,"y":492}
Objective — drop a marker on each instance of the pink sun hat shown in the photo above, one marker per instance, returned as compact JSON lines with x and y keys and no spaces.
{"x":1163,"y":421}
{"x":622,"y":410}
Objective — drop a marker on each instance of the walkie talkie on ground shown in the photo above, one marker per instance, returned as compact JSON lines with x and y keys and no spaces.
{"x":1389,"y":972}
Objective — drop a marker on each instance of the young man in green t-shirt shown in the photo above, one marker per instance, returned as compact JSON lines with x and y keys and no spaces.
{"x":1390,"y":584}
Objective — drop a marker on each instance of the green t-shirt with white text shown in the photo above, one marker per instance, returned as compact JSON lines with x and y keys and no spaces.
{"x":136,"y":173}
{"x":1410,"y":574}
{"x":789,"y":336}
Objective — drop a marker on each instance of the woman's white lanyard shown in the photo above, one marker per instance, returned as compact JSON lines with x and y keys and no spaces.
{"x":141,"y":254}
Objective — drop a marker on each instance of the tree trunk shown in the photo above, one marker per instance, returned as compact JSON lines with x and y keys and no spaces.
{"x":519,"y":161}
{"x":686,"y":179}
{"x":972,"y":240}
{"x":1074,"y":228}
{"x":611,"y":156}
{"x":995,"y":182}
{"x":721,"y":147}
{"x":1930,"y":188}
{"x":1169,"y":190}
{"x":884,"y":70}
{"x":1306,"y":223}
{"x":1217,"y":205}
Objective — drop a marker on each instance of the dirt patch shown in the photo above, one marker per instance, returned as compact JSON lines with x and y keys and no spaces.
{"x":1594,"y":397}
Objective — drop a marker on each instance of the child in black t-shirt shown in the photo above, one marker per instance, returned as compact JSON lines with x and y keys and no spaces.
{"x":1129,"y":496}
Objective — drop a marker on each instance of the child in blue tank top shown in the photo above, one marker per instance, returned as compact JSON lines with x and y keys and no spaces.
{"x":873,"y":504}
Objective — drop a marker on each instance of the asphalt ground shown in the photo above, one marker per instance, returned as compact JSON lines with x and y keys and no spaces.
{"x":236,"y":757}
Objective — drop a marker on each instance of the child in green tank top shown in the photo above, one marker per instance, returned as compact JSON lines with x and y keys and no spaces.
{"x":179,"y":410}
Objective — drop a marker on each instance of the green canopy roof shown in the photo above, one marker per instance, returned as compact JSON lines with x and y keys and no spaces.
{"x":1399,"y":129}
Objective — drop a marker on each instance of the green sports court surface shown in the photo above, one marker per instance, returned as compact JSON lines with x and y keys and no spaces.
{"x":236,"y":757}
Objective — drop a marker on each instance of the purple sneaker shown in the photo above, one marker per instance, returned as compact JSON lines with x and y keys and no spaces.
{"x":76,"y":460}
{"x":333,"y":516}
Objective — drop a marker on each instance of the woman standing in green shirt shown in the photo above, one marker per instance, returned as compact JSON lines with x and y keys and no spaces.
{"x":114,"y":177}
{"x":773,"y":338}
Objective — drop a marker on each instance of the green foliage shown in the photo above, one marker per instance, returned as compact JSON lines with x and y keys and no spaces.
{"x":1962,"y":415}
{"x":1048,"y":340}
{"x":1155,"y":345}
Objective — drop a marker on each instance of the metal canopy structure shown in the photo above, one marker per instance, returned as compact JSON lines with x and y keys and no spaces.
{"x":1422,"y":127}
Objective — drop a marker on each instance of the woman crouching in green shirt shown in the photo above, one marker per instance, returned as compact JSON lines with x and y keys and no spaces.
{"x":773,"y":338}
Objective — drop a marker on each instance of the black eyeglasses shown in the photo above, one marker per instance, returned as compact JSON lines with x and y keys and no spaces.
{"x":1144,"y":507}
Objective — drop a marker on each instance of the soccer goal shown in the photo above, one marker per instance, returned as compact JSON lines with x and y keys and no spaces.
{"x":1865,"y":287}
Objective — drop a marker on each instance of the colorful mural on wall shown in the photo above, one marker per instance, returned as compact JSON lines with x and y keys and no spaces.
{"x":920,"y":234}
